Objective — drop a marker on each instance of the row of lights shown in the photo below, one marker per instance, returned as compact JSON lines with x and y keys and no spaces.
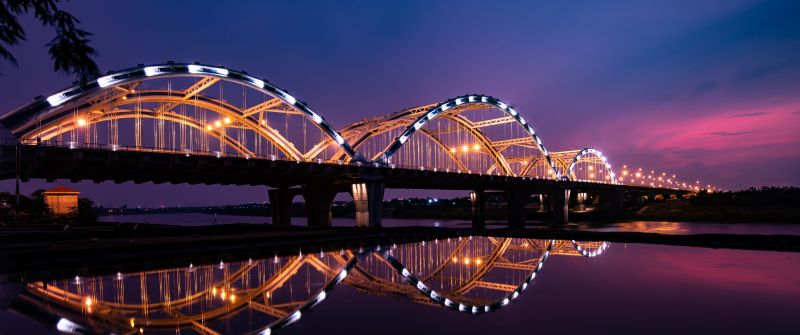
{"x":661,"y":180}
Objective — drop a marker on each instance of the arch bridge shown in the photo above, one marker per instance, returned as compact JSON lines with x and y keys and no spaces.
{"x":195,"y":123}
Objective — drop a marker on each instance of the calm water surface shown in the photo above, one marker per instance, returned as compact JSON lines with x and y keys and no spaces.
{"x":550,"y":286}
{"x":198,"y":219}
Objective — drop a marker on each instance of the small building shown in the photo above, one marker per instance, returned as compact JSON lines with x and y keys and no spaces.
{"x":61,"y":200}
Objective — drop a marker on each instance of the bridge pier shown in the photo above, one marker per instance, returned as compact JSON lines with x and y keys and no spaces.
{"x":615,"y":201}
{"x":319,"y":199}
{"x":478,"y":199}
{"x":580,"y":201}
{"x":559,"y":198}
{"x":368,"y":200}
{"x":515,"y":199}
{"x":280,"y":202}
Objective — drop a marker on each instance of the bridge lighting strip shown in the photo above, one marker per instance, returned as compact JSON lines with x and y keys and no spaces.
{"x":27,"y":114}
{"x":461,"y":307}
{"x":316,"y":300}
{"x":590,"y":254}
{"x":597,"y":153}
{"x":467,"y":99}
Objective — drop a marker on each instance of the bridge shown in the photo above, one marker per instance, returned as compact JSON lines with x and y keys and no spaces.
{"x":470,"y":274}
{"x":194,"y":123}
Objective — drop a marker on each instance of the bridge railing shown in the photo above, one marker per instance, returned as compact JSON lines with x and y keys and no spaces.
{"x":228,"y":154}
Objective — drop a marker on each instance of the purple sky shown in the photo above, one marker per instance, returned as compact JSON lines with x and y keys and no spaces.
{"x":707,"y":90}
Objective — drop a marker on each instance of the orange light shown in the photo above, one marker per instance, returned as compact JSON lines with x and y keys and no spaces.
{"x":466,"y":261}
{"x":208,"y":127}
{"x":478,"y":261}
{"x":227,"y":120}
{"x":81,"y":122}
{"x":88,"y":302}
{"x":455,"y":259}
{"x":453,"y":150}
{"x":476,"y":147}
{"x":217,"y":124}
{"x":464,"y":148}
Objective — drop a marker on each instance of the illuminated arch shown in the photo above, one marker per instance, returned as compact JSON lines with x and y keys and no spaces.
{"x":439,"y":109}
{"x":596,"y":153}
{"x":26,"y":119}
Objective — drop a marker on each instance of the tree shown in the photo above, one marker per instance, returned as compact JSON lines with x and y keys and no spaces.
{"x":69,"y":49}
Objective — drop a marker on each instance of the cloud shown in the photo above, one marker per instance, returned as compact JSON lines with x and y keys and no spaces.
{"x":750,"y":114}
{"x":730,"y":133}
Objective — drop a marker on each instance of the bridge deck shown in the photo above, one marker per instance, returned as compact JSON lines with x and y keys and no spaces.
{"x":100,"y":165}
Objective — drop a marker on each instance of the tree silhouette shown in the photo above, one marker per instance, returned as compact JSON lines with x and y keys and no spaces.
{"x":69,"y":49}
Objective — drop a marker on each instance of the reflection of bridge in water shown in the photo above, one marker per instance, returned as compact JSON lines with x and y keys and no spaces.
{"x":469,"y":274}
{"x":191,"y":123}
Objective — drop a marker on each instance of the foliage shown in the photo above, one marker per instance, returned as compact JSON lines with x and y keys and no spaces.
{"x":69,"y":49}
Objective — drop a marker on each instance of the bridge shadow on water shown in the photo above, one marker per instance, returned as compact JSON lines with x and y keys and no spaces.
{"x":472,"y":275}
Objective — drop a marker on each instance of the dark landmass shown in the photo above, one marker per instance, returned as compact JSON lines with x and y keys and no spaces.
{"x":765,"y":205}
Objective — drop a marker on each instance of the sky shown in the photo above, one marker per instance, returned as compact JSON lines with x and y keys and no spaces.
{"x":704,"y":89}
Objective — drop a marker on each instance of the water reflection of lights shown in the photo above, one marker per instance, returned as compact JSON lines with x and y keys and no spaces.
{"x":472,"y":275}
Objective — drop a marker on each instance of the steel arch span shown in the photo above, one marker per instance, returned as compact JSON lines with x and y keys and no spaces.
{"x":106,"y":99}
{"x":196,"y":109}
{"x":599,"y":159}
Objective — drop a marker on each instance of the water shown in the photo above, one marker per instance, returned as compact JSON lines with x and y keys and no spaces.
{"x":580,"y":287}
{"x":198,"y":219}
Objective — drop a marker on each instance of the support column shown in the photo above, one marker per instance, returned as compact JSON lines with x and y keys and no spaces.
{"x":478,"y":199}
{"x":559,"y":198}
{"x":280,"y":202}
{"x":319,"y":199}
{"x":615,"y":202}
{"x":542,"y":205}
{"x":580,"y":201}
{"x":368,"y":200}
{"x":515,"y":199}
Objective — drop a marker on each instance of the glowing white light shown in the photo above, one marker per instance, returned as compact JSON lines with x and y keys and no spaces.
{"x":151,"y":71}
{"x":294,"y":317}
{"x":342,"y":275}
{"x":524,"y":285}
{"x":107,"y":81}
{"x":67,"y":326}
{"x":512,"y":111}
{"x":57,"y":99}
{"x":459,"y":101}
{"x":501,"y":105}
{"x":471,"y":98}
{"x":255,"y":81}
{"x":290,"y":99}
{"x":339,"y":139}
{"x":403,"y":138}
{"x":266,"y":332}
{"x":445,"y":107}
{"x":421,"y":286}
{"x":484,"y":99}
{"x":504,"y":302}
{"x":474,"y":309}
{"x":193,"y":68}
{"x":316,"y":118}
{"x":515,"y":295}
{"x":448,"y":302}
{"x":322,"y":295}
{"x":405,"y":272}
{"x":462,"y":307}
